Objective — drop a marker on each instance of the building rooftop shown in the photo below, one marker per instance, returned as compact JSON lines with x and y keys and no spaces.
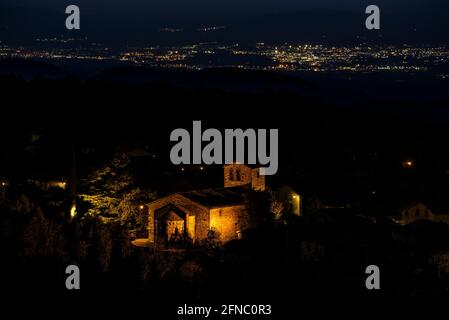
{"x":219,"y":197}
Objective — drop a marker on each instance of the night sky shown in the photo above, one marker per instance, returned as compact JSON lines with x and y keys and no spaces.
{"x":197,"y":9}
{"x":122,"y":20}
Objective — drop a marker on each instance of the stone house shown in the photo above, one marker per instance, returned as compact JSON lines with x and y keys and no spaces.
{"x":419,"y":211}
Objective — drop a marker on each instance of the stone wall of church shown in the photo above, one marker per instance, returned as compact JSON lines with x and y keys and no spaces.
{"x":201,"y":215}
{"x":228,"y":221}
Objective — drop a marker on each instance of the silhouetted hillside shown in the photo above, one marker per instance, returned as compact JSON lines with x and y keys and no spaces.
{"x":219,"y":78}
{"x":30,"y":69}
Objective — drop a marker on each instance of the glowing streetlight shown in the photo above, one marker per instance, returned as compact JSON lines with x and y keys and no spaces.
{"x":409,"y":164}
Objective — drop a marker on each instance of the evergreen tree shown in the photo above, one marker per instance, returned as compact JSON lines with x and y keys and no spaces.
{"x":110,"y":192}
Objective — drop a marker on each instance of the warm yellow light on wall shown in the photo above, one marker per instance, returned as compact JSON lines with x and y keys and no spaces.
{"x":73,"y":211}
{"x":225,"y":222}
{"x":296,"y":202}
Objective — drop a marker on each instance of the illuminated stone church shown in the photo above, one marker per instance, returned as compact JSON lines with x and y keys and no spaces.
{"x":195,"y":213}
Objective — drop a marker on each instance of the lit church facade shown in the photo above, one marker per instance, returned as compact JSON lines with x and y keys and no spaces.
{"x":195,"y":213}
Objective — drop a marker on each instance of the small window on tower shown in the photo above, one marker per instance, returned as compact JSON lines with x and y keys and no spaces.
{"x":238,"y":177}
{"x":231,"y":174}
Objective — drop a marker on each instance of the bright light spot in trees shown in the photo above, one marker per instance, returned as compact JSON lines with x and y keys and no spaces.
{"x":73,"y":211}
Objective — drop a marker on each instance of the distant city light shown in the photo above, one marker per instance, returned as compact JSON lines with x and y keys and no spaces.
{"x":290,"y":57}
